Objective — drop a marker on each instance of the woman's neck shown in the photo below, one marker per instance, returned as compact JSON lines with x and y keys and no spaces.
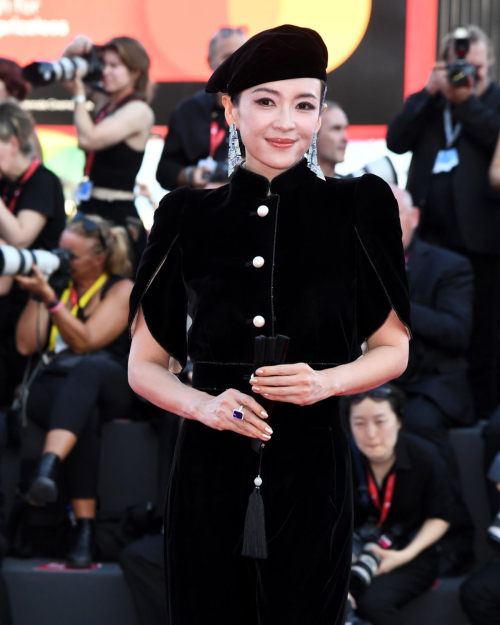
{"x":255,"y":166}
{"x":18,"y":166}
{"x":382,"y":467}
{"x":114,"y":98}
{"x":83,"y":284}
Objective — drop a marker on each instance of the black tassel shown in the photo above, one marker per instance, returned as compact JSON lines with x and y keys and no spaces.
{"x":254,"y":534}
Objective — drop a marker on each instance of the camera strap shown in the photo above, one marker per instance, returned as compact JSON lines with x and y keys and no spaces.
{"x":388,"y":495}
{"x":69,"y":295}
{"x":217,"y":136}
{"x":450,"y":133}
{"x":35,"y":163}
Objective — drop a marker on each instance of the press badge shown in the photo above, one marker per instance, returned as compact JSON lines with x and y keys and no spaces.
{"x":84,"y":191}
{"x":445,"y":161}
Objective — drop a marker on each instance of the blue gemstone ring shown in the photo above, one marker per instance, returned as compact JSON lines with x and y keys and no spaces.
{"x":238,"y":414}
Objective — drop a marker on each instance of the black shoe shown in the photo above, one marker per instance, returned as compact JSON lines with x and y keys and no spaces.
{"x":81,"y":555}
{"x":43,"y":488}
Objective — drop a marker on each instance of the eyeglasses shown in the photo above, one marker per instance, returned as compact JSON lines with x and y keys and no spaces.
{"x":89,"y":226}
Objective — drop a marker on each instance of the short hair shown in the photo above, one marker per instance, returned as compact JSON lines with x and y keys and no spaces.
{"x":476,"y":34}
{"x":223,"y":33}
{"x":15,"y":122}
{"x":386,"y":392}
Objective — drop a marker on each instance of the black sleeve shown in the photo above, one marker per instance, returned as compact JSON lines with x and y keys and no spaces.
{"x":479,"y":123}
{"x":159,"y":287}
{"x":406,"y":128}
{"x":381,"y":283}
{"x":438,"y":498}
{"x":447,"y":324}
{"x":173,"y":157}
{"x":39,"y":193}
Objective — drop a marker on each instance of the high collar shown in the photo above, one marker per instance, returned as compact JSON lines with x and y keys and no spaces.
{"x":251,"y":183}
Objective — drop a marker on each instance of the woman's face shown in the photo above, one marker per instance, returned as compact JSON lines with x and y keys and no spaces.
{"x":116,"y":75}
{"x":277,"y":121}
{"x":375,"y":427}
{"x":9,"y":151}
{"x":85,"y":262}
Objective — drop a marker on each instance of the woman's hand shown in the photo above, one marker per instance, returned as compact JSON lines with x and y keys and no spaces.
{"x":79,"y":47}
{"x":217,"y":413}
{"x":36,"y":283}
{"x":391,"y":559}
{"x":294,"y":384}
{"x":76,"y":86}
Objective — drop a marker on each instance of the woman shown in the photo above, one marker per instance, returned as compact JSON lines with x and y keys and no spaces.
{"x":84,"y":336}
{"x":31,"y":216}
{"x":115,"y":140}
{"x":402,"y":498}
{"x":302,"y":234}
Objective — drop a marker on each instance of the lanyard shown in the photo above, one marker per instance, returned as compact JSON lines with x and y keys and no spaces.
{"x":388,"y":495}
{"x":70,"y":295}
{"x":451,"y":133}
{"x":35,"y":163}
{"x":105,"y":111}
{"x":216,"y":137}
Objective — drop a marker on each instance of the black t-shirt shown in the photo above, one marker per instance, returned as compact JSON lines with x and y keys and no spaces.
{"x":42,"y":193}
{"x":422,"y":490}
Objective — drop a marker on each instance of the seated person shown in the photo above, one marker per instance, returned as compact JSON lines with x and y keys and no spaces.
{"x":31,"y":216}
{"x":402,"y":499}
{"x":5,"y":617}
{"x":83,"y":335}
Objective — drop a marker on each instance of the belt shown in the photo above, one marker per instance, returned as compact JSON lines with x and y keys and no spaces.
{"x":111,"y":195}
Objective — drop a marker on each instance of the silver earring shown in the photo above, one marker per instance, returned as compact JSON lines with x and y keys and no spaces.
{"x":312,"y":158}
{"x":234,"y":156}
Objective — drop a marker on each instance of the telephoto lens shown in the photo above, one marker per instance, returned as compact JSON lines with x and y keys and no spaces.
{"x":364,"y":569}
{"x":41,"y":73}
{"x":20,"y":262}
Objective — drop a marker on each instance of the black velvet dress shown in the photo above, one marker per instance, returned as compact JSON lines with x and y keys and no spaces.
{"x":333,"y":269}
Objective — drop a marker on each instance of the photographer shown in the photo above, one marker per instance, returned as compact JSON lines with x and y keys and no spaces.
{"x":5,"y":616}
{"x":31,"y":216}
{"x":83,"y":335}
{"x":402,"y":500}
{"x":495,"y":167}
{"x":452,"y":132}
{"x":198,"y":129}
{"x":115,"y":140}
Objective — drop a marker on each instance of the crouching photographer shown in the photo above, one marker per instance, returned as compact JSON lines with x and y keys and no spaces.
{"x":402,"y":500}
{"x":80,"y":379}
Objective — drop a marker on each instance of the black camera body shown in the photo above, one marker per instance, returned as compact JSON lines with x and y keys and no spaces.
{"x":42,"y":73}
{"x":461,"y":73}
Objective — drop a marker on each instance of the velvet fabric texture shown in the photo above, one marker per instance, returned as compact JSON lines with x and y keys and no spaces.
{"x":333,"y":270}
{"x":276,"y":54}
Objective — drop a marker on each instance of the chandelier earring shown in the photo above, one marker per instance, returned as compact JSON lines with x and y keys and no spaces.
{"x":312,"y":158}
{"x":234,"y":156}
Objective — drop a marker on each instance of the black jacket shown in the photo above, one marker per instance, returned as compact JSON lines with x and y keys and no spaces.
{"x":188,"y":138}
{"x":441,"y":296}
{"x":419,"y":128}
{"x":333,"y":267}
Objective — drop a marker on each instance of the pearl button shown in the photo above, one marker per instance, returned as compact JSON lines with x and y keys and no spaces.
{"x":258,"y":261}
{"x":258,"y":481}
{"x":258,"y":321}
{"x":262,"y":211}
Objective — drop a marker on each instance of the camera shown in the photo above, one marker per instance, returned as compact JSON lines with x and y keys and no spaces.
{"x":461,"y":73}
{"x":42,"y":73}
{"x":55,"y":264}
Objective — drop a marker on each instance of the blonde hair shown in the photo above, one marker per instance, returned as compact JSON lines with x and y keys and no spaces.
{"x":15,"y":122}
{"x":134,"y":56}
{"x":110,"y":240}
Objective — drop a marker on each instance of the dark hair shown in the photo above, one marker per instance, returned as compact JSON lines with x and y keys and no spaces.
{"x":235,"y":99}
{"x":11,"y":76}
{"x":15,"y":122}
{"x":134,"y":56}
{"x":386,"y":392}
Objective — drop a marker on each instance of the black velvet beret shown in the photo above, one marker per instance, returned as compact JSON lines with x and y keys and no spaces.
{"x":276,"y":54}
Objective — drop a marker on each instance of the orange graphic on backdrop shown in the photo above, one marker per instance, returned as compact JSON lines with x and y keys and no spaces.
{"x":176,"y":34}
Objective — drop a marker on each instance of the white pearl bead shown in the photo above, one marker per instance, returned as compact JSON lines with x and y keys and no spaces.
{"x":258,"y":262}
{"x":258,"y":321}
{"x":258,"y":481}
{"x":262,"y":211}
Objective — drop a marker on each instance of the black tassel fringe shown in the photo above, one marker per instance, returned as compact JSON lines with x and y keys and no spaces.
{"x":254,"y":534}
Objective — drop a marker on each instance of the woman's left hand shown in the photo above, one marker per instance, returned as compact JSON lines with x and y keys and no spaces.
{"x":76,"y":86}
{"x":36,"y":283}
{"x":391,"y":559}
{"x":294,"y":384}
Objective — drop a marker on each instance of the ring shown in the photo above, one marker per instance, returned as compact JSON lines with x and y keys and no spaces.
{"x":238,"y":414}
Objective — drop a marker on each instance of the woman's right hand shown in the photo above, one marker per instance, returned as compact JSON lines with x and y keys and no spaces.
{"x":217,"y":413}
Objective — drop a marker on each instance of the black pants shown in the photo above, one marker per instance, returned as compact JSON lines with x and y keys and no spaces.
{"x":5,"y":616}
{"x":491,"y":435}
{"x":93,"y":391}
{"x":480,"y":594}
{"x":381,"y":602}
{"x":143,"y":567}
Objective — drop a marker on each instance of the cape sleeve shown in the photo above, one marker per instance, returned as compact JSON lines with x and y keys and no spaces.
{"x":159,"y":286}
{"x":381,"y":283}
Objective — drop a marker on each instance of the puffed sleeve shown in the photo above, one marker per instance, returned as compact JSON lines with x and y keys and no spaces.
{"x":381,"y":283}
{"x":159,"y":287}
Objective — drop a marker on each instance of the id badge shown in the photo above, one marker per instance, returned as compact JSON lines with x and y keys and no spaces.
{"x":446,"y":160}
{"x":84,"y":191}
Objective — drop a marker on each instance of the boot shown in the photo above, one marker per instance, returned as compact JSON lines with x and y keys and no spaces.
{"x":81,"y":555}
{"x":43,"y":488}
